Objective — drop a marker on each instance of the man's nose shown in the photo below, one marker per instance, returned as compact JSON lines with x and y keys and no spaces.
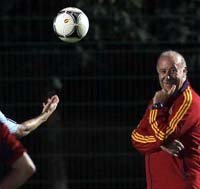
{"x":167,"y":77}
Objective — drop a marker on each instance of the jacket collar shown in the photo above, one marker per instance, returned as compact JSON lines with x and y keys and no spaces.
{"x":182,"y":89}
{"x":177,"y":93}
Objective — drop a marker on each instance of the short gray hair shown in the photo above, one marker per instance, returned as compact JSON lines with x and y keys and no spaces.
{"x":176,"y":57}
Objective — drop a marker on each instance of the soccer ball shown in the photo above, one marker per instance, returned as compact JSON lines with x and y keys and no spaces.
{"x":71,"y":24}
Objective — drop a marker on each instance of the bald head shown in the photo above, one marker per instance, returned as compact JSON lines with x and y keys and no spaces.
{"x":176,"y":57}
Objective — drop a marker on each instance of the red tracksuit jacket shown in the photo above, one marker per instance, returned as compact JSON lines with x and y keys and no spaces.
{"x":181,"y":120}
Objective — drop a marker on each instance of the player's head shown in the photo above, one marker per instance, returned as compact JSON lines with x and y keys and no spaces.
{"x":172,"y":70}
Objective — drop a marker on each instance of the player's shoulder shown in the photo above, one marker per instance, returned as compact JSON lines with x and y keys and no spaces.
{"x":195,"y":98}
{"x":185,"y":99}
{"x":189,"y":99}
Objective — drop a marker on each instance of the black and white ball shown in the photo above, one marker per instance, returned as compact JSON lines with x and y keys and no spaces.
{"x":71,"y":24}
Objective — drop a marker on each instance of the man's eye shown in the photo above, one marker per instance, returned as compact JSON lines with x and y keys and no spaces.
{"x":162,"y":71}
{"x":173,"y":71}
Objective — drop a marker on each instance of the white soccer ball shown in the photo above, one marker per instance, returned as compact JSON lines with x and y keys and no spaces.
{"x":71,"y":24}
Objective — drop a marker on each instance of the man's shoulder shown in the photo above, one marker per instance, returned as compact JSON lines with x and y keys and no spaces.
{"x":189,"y":99}
{"x":186,"y":98}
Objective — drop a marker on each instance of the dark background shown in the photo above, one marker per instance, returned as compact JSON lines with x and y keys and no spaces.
{"x":104,"y":83}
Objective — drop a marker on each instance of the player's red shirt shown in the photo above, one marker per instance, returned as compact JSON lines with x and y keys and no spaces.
{"x":181,"y":120}
{"x":10,"y":148}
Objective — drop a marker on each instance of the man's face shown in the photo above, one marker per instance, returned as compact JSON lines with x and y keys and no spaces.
{"x":170,"y":73}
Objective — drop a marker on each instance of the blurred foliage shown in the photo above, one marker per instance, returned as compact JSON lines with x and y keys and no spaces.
{"x":143,"y":20}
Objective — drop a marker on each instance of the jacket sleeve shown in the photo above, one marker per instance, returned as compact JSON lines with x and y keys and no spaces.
{"x":143,"y":138}
{"x":9,"y":123}
{"x":158,"y":125}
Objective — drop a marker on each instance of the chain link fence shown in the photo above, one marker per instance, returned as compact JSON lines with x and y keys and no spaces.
{"x":104,"y":83}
